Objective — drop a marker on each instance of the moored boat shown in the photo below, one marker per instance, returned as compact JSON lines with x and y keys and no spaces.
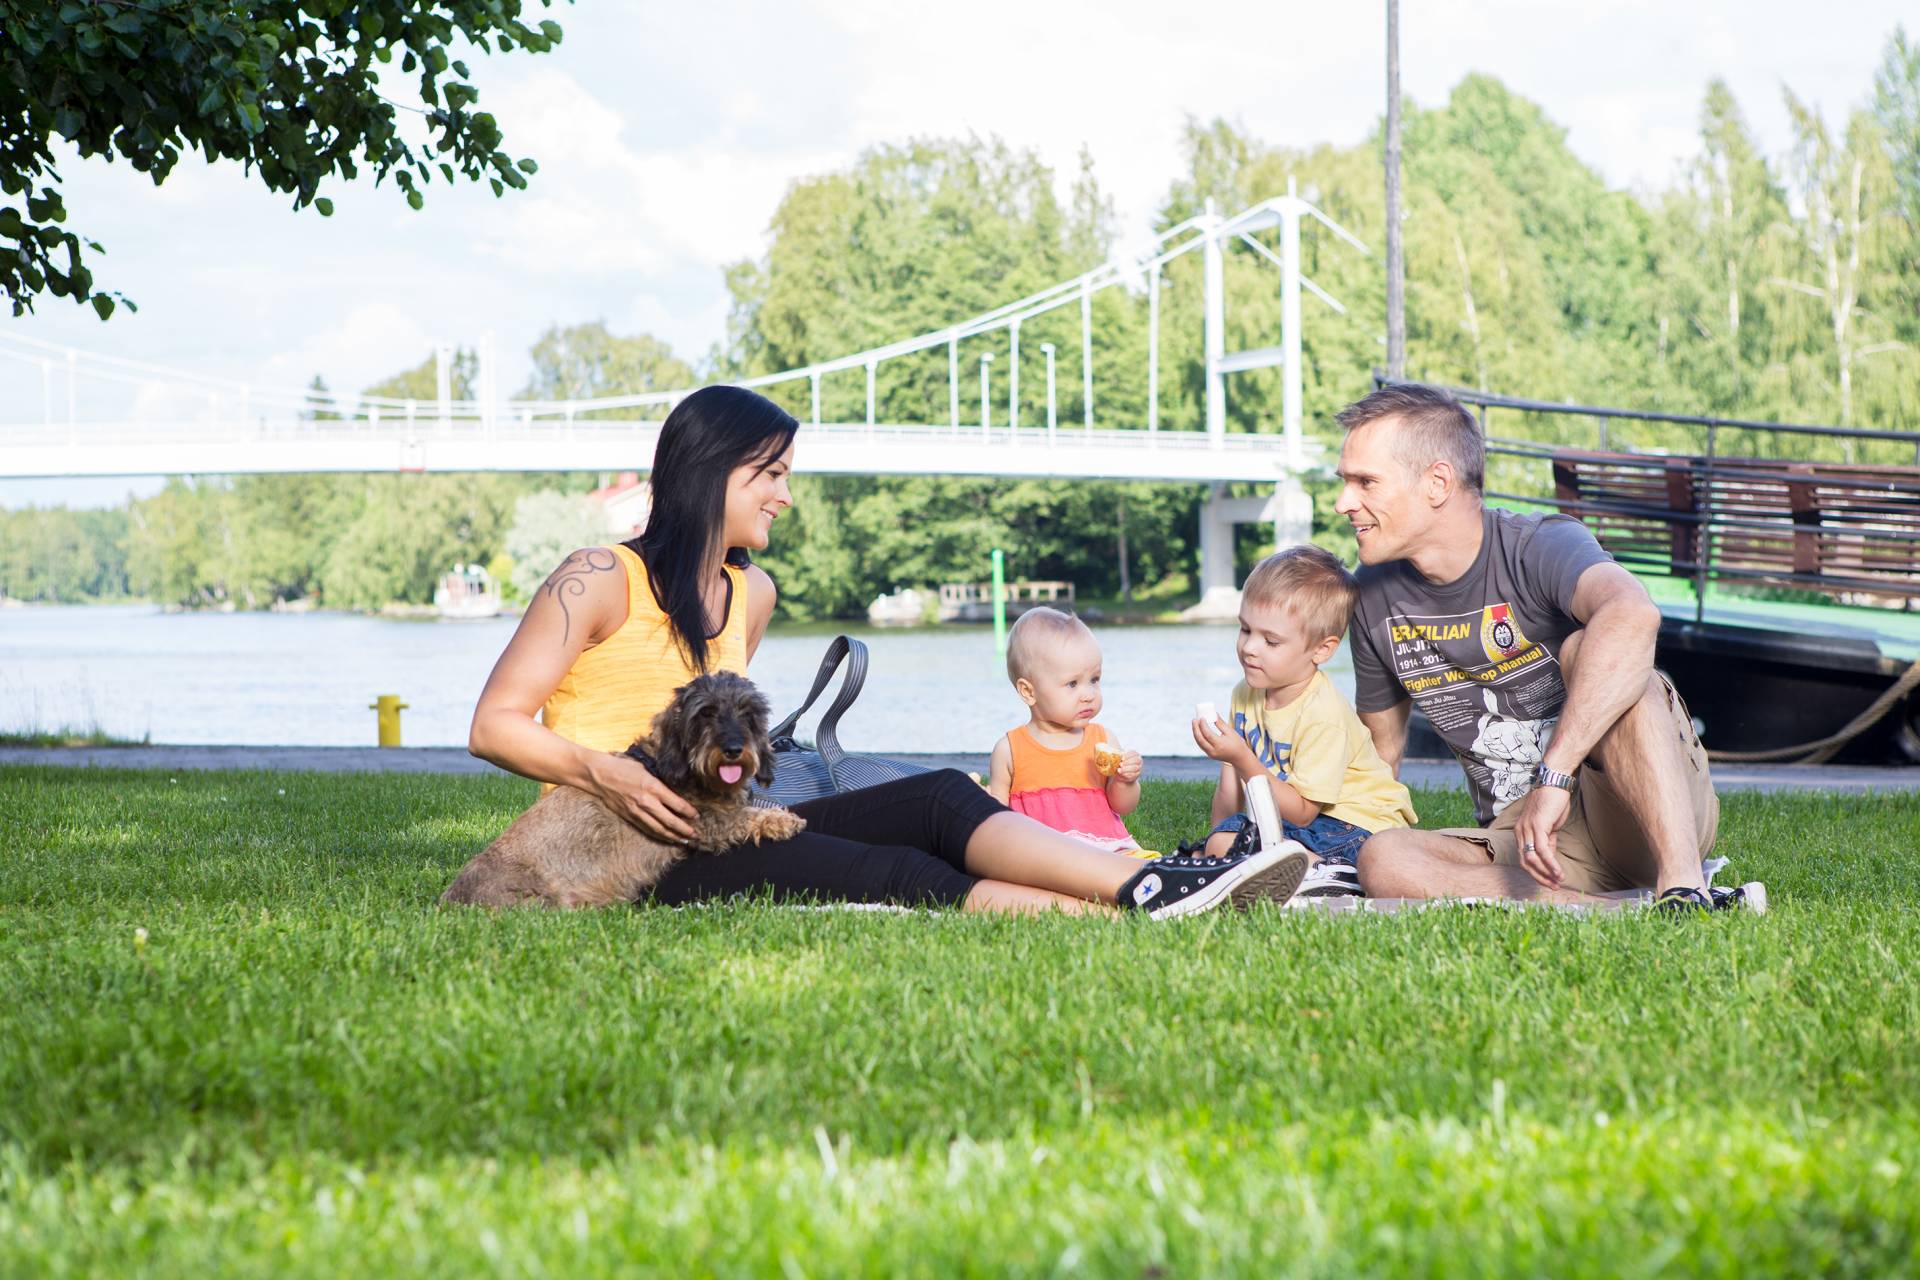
{"x":468,"y":591}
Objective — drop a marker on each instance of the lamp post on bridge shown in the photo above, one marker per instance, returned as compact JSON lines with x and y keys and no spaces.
{"x":953,"y":382}
{"x":1396,"y":262}
{"x":1053,"y":421}
{"x":1013,"y":383}
{"x":443,"y":384}
{"x":986,"y":402}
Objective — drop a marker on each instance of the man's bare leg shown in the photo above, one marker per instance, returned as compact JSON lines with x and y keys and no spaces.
{"x":1422,"y":864}
{"x":1645,"y":765}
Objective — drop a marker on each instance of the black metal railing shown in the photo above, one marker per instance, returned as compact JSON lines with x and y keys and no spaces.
{"x":1710,"y":470}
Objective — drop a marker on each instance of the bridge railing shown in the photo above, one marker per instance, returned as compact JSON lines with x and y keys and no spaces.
{"x":536,"y":430}
{"x":999,"y":401}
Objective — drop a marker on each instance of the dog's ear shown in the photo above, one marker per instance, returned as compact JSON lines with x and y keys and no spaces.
{"x":669,"y":743}
{"x":764,"y":774}
{"x":671,"y":763}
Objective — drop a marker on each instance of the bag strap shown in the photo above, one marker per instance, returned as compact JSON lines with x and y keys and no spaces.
{"x":827,"y":740}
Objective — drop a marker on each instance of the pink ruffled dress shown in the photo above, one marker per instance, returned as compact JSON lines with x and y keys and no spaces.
{"x":1062,"y":788}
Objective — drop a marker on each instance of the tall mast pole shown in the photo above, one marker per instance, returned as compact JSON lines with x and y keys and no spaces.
{"x":1396,"y":260}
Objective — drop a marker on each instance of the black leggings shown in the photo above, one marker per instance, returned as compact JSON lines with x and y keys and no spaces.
{"x":902,"y":842}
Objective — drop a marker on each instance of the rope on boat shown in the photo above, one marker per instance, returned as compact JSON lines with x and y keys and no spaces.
{"x":1821,"y":750}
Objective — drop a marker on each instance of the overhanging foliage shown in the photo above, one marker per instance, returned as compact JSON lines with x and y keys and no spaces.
{"x":291,"y":89}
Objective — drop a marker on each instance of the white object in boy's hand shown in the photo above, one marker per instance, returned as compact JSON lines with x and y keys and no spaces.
{"x":1265,"y":816}
{"x":1209,"y":716}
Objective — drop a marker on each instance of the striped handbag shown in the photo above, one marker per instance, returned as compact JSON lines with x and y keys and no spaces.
{"x":804,"y":771}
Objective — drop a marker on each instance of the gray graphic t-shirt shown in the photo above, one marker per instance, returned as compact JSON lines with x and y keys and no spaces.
{"x":1480,"y":655}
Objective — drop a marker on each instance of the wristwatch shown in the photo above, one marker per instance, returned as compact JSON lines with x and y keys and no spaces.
{"x":1545,"y":777}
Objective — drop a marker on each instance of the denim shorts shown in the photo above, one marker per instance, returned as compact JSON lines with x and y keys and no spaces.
{"x":1332,"y":839}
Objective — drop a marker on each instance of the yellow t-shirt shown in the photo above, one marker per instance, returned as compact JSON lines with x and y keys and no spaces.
{"x":1318,"y":745}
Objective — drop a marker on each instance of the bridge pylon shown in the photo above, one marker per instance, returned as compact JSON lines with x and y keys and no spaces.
{"x":1290,"y":508}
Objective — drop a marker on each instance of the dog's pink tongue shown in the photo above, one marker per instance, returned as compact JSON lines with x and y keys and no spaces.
{"x":730,"y":773}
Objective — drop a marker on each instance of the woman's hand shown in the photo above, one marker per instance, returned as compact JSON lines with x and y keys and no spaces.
{"x":629,"y":789}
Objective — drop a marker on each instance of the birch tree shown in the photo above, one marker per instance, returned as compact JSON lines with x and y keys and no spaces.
{"x":1843,"y":186}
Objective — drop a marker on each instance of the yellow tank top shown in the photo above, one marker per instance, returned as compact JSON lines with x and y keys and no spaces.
{"x":616,"y":688}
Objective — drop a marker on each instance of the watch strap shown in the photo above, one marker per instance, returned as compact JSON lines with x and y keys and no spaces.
{"x":1545,"y":777}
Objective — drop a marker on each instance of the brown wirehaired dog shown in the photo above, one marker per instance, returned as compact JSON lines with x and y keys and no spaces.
{"x":569,"y":850}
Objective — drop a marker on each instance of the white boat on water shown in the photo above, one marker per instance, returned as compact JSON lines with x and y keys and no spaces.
{"x":467,"y":592}
{"x":904,"y":608}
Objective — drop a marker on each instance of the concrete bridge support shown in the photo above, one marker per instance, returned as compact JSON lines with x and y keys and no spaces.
{"x":1289,"y":509}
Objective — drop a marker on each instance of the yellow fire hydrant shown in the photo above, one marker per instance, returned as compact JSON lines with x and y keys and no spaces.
{"x":389,"y":706}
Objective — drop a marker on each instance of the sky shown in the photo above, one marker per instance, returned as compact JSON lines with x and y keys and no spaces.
{"x":666,"y":135}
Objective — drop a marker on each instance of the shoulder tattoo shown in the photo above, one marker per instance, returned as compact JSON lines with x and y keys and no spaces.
{"x":570,"y":579}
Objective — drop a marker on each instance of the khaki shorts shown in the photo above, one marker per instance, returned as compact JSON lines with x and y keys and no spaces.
{"x":1602,"y":848}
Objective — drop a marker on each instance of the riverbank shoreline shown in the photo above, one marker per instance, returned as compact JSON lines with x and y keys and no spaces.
{"x":1432,"y":774}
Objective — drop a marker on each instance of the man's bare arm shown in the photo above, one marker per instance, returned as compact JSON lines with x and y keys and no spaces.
{"x":1619,"y":625}
{"x":1389,"y":730}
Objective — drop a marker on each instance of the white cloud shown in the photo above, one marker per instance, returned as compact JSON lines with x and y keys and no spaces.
{"x":155,"y":401}
{"x":599,"y":205}
{"x":374,"y":341}
{"x":689,"y":331}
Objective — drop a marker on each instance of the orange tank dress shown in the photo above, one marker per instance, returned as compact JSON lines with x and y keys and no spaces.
{"x":1062,"y":788}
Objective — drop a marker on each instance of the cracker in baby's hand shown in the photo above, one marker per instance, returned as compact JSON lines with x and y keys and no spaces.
{"x":1106,"y":758}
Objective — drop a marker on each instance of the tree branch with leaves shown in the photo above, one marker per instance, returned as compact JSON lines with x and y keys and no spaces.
{"x":291,"y":89}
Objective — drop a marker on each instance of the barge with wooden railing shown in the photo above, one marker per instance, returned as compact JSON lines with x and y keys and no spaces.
{"x":973,"y":601}
{"x":1788,"y":583}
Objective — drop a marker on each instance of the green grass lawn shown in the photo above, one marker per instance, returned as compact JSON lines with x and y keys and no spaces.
{"x":306,"y":1068}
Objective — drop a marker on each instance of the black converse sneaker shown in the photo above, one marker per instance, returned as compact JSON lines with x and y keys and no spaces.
{"x":1183,"y":884}
{"x":1332,"y":880}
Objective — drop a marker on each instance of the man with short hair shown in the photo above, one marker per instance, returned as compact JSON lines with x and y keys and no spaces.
{"x":1531,"y":652}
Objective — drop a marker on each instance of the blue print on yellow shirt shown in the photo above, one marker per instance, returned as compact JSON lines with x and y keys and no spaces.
{"x":1274,"y":755}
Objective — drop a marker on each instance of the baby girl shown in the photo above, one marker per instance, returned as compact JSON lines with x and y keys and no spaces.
{"x":1060,"y":768}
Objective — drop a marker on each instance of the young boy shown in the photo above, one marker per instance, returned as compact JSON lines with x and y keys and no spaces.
{"x":1291,"y":728}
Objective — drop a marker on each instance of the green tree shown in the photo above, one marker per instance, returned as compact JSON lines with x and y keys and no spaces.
{"x":287,"y":525}
{"x":584,"y":361}
{"x":547,"y":527}
{"x":62,"y":556}
{"x":1844,"y":186}
{"x":290,"y":89}
{"x":913,"y":238}
{"x":175,"y":544}
{"x":319,"y":401}
{"x":1896,"y":109}
{"x":408,"y":530}
{"x":1721,"y":237}
{"x":422,"y":382}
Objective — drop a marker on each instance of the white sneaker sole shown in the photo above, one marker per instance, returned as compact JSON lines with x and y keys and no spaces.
{"x":1279,"y":883}
{"x":1272,"y":875}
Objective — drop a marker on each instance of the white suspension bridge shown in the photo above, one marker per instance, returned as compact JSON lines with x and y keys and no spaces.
{"x":246,"y":429}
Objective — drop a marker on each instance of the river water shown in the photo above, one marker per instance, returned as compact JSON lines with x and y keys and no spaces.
{"x":306,"y":679}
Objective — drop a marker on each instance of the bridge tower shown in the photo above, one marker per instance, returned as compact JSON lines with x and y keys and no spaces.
{"x":1290,"y":507}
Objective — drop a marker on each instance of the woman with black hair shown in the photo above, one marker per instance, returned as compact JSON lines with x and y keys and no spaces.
{"x":615,"y":630}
